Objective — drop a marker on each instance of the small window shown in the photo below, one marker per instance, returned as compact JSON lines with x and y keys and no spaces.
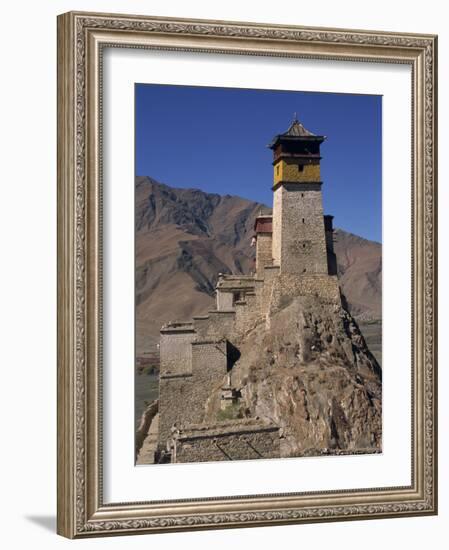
{"x":301,"y":167}
{"x":277,"y":170}
{"x":303,"y":220}
{"x":302,"y":195}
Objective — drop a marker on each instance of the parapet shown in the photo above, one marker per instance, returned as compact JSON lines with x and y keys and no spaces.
{"x":237,"y":426}
{"x":245,"y":439}
{"x":235,"y":282}
{"x":177,"y":327}
{"x":175,"y":348}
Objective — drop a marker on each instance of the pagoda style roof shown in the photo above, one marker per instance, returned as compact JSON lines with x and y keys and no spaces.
{"x":296,"y":131}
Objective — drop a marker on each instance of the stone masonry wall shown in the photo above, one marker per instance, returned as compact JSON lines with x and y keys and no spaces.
{"x":174,"y":396}
{"x":264,"y":245}
{"x":175,"y":379}
{"x":225,"y":301}
{"x":218,"y":324}
{"x":258,"y":290}
{"x":246,"y":313}
{"x":175,"y":351}
{"x":302,"y":238}
{"x":277,"y":218}
{"x":183,"y":396}
{"x":287,"y":286}
{"x":209,"y":367}
{"x":270,"y":275}
{"x":234,"y":442}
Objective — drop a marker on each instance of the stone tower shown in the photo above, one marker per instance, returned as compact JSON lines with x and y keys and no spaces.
{"x":299,"y":240}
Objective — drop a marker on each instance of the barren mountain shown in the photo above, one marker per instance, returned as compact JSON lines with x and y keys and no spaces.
{"x":185,"y":237}
{"x":360,"y":274}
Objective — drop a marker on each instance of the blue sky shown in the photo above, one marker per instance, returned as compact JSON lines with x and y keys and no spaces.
{"x":215,"y":139}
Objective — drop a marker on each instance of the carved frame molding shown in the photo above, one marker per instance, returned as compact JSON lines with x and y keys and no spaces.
{"x":81,"y":39}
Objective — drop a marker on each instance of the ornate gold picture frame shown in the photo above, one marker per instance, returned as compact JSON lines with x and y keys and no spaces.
{"x":82,"y":39}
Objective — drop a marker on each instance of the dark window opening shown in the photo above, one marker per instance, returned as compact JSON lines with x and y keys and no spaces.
{"x":301,"y":167}
{"x":233,"y":355}
{"x":303,"y":221}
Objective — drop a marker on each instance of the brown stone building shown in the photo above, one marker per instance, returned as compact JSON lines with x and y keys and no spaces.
{"x":294,"y":257}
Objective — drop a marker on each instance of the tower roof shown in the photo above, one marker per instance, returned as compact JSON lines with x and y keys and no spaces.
{"x":296,"y":132}
{"x":297,"y":129}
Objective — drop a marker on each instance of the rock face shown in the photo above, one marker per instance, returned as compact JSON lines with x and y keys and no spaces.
{"x":185,"y":237}
{"x":311,"y":374}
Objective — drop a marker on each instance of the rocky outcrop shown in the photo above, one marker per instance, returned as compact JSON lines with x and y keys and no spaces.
{"x":312,"y":374}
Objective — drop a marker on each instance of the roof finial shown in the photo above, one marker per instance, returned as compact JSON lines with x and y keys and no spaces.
{"x":295,"y":118}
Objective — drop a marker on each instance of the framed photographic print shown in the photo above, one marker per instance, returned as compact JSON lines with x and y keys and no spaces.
{"x":247,"y":274}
